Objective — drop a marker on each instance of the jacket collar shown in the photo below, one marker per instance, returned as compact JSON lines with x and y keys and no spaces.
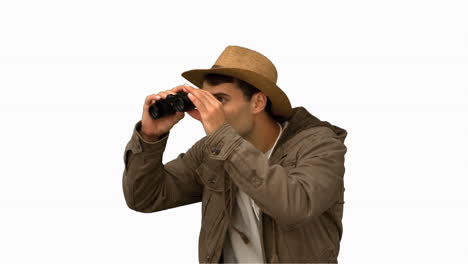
{"x":299,"y":121}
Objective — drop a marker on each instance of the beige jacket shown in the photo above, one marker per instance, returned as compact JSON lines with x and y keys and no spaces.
{"x":299,"y":189}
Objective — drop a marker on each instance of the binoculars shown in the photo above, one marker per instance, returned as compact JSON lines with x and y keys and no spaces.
{"x":173,"y":103}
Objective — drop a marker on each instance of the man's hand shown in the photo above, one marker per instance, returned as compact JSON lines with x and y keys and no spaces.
{"x":209,"y":109}
{"x":151,"y":128}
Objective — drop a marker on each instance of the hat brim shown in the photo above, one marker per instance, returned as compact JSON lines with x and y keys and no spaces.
{"x":280,"y":104}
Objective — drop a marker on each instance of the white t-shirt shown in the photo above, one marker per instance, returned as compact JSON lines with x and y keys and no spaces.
{"x":246,"y":216}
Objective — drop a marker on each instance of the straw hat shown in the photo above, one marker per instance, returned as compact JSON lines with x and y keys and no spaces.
{"x":251,"y":67}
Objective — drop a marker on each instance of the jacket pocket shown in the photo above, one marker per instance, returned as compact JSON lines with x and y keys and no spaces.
{"x":213,"y":188}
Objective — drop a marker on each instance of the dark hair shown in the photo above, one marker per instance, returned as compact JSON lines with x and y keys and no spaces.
{"x":247,"y":89}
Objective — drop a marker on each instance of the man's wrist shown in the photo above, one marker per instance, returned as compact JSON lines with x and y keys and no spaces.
{"x":149,"y":138}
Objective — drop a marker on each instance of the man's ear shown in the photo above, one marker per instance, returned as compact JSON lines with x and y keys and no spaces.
{"x":259,"y":101}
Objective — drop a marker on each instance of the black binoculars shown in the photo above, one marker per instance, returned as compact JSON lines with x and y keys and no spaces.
{"x":173,"y":103}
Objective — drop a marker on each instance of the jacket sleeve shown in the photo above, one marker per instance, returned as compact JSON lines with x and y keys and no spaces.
{"x":291,"y":196}
{"x":150,"y":186}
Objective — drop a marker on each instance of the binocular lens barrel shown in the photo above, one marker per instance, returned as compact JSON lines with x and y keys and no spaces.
{"x":173,"y":103}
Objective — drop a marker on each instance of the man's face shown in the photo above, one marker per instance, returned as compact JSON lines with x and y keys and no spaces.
{"x":237,"y":109}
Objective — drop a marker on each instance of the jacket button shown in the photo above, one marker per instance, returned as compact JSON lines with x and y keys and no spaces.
{"x":212,"y":180}
{"x":215,"y":150}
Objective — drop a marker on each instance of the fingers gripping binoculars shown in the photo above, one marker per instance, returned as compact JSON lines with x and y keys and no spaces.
{"x":173,"y":103}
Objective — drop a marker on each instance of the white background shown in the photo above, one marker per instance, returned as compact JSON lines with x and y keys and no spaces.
{"x":74,"y":75}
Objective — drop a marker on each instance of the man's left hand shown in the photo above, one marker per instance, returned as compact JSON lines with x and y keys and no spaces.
{"x":209,"y":109}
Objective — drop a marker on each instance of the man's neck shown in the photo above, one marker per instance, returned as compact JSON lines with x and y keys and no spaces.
{"x":264,"y":135}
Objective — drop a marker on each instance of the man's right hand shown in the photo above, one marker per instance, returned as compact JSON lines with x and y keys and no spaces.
{"x":152,"y":129}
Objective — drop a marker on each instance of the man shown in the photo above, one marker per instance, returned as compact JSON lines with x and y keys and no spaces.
{"x":270,"y":177}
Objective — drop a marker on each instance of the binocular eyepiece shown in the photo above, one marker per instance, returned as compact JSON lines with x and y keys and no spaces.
{"x":173,"y":103}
